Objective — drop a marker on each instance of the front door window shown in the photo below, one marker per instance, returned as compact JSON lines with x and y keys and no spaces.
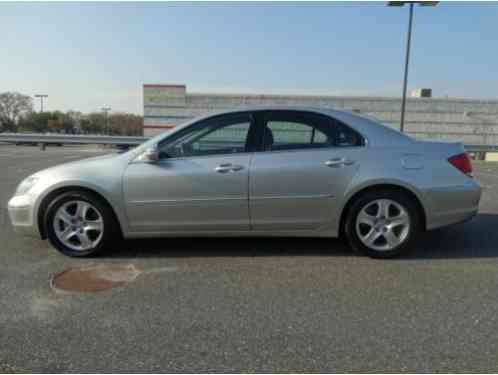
{"x":223,"y":135}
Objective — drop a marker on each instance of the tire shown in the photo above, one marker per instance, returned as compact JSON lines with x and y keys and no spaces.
{"x":94,"y":226}
{"x":380,"y":232}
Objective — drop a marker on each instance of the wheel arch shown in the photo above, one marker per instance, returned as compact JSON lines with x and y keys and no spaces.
{"x":392,"y":186}
{"x":45,"y":202}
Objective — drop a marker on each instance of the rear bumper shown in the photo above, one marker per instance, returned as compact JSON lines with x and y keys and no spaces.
{"x":452,"y":204}
{"x":22,"y":217}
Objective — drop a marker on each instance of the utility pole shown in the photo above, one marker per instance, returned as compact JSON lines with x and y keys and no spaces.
{"x":405,"y":77}
{"x":408,"y":45}
{"x":41,"y":96}
{"x":106,"y":109}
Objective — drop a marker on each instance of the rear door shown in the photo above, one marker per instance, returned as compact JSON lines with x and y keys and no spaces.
{"x":302,"y":170}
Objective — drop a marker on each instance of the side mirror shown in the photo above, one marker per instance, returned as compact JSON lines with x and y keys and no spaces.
{"x":151,"y":155}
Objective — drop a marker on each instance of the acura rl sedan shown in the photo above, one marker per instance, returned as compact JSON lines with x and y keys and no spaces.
{"x":256,"y":172}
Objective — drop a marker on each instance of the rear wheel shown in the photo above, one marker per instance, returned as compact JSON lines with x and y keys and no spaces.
{"x":79,"y":224}
{"x":383,"y":224}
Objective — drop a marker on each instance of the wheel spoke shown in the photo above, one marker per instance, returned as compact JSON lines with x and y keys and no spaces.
{"x":77,"y":213}
{"x":365,"y":218}
{"x":82,"y":209}
{"x":391,"y":239}
{"x":381,"y":208}
{"x":400,"y":220}
{"x":85,"y":241}
{"x":385,"y":208}
{"x":371,"y":236}
{"x":68,"y":233}
{"x":65,"y":217}
{"x":94,"y":225}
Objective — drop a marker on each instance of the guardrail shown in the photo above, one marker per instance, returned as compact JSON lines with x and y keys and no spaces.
{"x":71,"y":139}
{"x":481,"y":148}
{"x":45,"y":139}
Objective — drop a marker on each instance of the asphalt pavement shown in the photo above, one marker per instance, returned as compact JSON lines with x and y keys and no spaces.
{"x":252,"y":305}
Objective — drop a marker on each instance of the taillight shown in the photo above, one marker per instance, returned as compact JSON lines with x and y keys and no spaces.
{"x":462,"y":163}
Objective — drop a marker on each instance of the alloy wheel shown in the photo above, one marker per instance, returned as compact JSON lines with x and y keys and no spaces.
{"x":78,"y":225}
{"x":382,"y":224}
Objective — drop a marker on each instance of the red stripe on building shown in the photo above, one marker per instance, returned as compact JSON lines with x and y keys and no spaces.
{"x":165,"y":126}
{"x":152,"y":85}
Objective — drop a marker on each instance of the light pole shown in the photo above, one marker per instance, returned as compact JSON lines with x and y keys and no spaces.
{"x":408,"y":44}
{"x":106,"y":109}
{"x":41,"y":96}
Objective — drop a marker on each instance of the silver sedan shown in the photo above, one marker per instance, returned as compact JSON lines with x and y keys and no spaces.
{"x":256,"y":172}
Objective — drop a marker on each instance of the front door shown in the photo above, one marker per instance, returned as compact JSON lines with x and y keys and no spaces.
{"x":200,"y":183}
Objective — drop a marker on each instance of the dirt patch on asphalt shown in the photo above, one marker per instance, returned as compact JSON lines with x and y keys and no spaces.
{"x":94,"y":279}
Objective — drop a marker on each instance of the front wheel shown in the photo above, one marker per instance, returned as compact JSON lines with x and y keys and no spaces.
{"x":79,"y":224}
{"x":383,"y":224}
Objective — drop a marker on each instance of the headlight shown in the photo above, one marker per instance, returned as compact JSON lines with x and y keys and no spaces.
{"x":26,"y":185}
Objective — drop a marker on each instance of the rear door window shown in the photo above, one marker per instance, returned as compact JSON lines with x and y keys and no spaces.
{"x":294,"y":130}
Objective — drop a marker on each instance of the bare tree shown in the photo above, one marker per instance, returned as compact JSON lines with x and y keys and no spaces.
{"x":13,"y":106}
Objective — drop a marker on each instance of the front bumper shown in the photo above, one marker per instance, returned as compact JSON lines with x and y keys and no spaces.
{"x":22,"y":215}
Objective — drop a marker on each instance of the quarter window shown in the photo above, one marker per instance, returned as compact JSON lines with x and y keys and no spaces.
{"x":347,"y":137}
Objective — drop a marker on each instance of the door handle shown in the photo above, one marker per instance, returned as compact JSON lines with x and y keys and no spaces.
{"x":224,"y":168}
{"x":338,"y":162}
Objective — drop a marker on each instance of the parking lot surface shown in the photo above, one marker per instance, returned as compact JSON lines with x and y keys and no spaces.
{"x":252,"y":305}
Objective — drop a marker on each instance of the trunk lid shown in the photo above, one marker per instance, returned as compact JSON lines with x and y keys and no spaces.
{"x":446,"y":148}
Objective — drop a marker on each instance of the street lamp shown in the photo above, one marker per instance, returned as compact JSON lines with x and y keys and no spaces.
{"x":41,"y":96}
{"x":106,"y":109}
{"x":408,"y":42}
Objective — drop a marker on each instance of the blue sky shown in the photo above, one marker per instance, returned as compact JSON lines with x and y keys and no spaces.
{"x":85,"y":55}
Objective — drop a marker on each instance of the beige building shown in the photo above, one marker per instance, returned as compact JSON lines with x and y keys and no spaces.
{"x":471,"y":121}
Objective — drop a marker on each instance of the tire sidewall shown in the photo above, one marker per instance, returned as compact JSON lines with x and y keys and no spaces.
{"x":402,"y":199}
{"x":57,"y":202}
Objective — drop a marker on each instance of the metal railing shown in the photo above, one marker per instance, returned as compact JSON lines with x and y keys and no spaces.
{"x":71,"y":139}
{"x":481,"y":148}
{"x":46,"y":139}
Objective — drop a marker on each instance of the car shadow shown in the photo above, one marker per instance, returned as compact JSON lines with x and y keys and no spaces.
{"x":477,"y":238}
{"x":230,"y":247}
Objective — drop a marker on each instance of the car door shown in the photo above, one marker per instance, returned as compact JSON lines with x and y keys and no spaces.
{"x":302,"y":170}
{"x":200,"y":182}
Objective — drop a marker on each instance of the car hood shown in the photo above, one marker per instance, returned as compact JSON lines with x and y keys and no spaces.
{"x":98,"y":165}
